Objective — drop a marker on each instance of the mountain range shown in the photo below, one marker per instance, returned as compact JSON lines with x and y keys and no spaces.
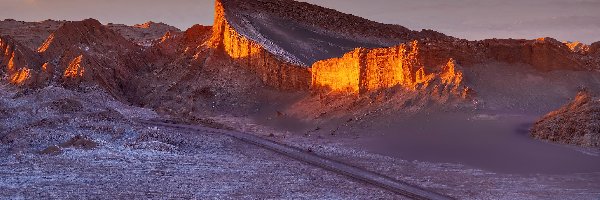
{"x":332,"y":64}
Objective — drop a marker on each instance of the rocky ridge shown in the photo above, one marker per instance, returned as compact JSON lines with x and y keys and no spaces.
{"x":242,"y":30}
{"x":29,"y":34}
{"x":255,"y":57}
{"x":576,"y":123}
{"x":345,"y":54}
{"x":18,"y":62}
{"x":75,"y":55}
{"x":316,"y":32}
{"x":143,"y":34}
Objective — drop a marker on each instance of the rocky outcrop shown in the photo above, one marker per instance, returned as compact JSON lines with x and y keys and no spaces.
{"x":143,"y":34}
{"x":251,"y":33}
{"x":19,"y":64}
{"x":288,"y":45}
{"x":576,"y":123}
{"x":88,"y":52}
{"x":187,"y":44}
{"x":83,"y":35}
{"x":302,"y":33}
{"x":545,"y":54}
{"x":78,"y":52}
{"x":595,"y":48}
{"x":365,"y":70}
{"x":14,"y":56}
{"x":578,"y":47}
{"x":254,"y":57}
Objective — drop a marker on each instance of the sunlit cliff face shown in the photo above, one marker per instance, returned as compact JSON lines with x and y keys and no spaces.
{"x":237,"y":46}
{"x":46,"y":44}
{"x":366,"y":70}
{"x":225,"y":37}
{"x":249,"y":54}
{"x":338,"y":74}
{"x":46,"y":68}
{"x":11,"y":63}
{"x":21,"y":76}
{"x":17,"y":71}
{"x":144,"y":25}
{"x":75,"y":69}
{"x":359,"y":71}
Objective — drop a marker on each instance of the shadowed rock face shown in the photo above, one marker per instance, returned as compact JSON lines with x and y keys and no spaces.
{"x":176,"y":45}
{"x":575,"y":123}
{"x":88,"y":52}
{"x":595,"y":48}
{"x":545,"y":54}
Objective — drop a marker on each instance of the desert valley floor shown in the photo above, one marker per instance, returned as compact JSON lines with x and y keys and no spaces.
{"x":133,"y":160}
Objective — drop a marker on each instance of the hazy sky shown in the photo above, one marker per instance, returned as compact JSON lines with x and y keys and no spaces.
{"x":471,"y":19}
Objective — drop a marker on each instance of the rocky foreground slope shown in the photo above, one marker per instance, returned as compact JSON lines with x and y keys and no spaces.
{"x":576,"y":123}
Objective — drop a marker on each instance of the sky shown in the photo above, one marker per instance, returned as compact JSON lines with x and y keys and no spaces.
{"x":566,"y":20}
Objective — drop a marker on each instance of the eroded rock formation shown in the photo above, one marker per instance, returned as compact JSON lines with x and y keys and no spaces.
{"x":248,"y":53}
{"x":17,"y":62}
{"x":143,"y":34}
{"x":365,"y":70}
{"x":174,"y":46}
{"x":77,"y":52}
{"x":575,"y":123}
{"x":284,"y":44}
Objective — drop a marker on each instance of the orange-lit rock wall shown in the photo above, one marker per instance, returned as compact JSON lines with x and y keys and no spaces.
{"x":46,"y":44}
{"x":20,"y":76}
{"x":388,"y":67}
{"x":16,"y":62}
{"x":249,"y":54}
{"x":75,"y":68}
{"x":364,"y":70}
{"x":10,"y":60}
{"x":338,"y":74}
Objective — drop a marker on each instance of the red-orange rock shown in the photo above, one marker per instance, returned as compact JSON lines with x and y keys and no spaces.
{"x":365,"y":70}
{"x":20,"y":64}
{"x":575,"y":123}
{"x":249,"y":54}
